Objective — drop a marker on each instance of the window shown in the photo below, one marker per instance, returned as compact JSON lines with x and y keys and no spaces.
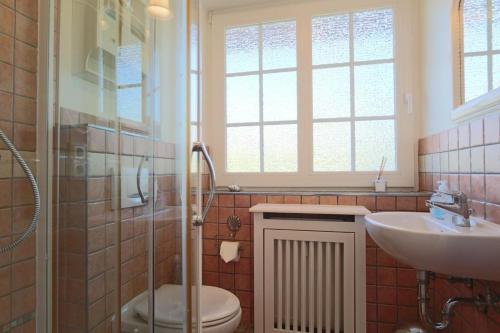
{"x":481,"y":47}
{"x":261,"y":98}
{"x":353,"y":91}
{"x":313,"y":95}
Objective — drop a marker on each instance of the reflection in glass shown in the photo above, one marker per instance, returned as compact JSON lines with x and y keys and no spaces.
{"x":475,"y":77}
{"x":475,"y":25}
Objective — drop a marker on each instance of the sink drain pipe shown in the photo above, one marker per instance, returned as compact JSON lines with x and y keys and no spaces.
{"x":480,"y":302}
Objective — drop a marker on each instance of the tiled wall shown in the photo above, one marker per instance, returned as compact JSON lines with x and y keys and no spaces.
{"x":391,"y":286}
{"x":18,"y":91}
{"x":101,"y":246}
{"x":468,"y":157}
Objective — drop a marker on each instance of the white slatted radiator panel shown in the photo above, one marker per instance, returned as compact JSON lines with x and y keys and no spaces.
{"x":309,"y":281}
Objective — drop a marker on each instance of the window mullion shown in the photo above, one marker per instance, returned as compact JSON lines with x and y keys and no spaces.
{"x":352,"y":87}
{"x":261,"y":100}
{"x":304,"y":96}
{"x":490,"y":44}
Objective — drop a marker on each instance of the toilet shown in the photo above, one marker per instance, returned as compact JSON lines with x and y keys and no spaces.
{"x":220,"y":311}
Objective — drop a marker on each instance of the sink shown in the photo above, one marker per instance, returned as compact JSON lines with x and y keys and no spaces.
{"x":426,"y":243}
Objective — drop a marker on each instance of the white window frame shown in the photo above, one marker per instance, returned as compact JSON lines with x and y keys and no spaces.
{"x":406,"y":85}
{"x":482,"y":105}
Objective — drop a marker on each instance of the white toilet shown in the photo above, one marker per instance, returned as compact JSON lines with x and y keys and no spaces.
{"x":220,"y":311}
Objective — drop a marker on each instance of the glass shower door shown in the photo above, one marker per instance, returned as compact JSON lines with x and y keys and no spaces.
{"x":123,"y":150}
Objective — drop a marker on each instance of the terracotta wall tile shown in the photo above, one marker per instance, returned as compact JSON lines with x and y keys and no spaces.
{"x":25,"y":137}
{"x":493,"y":189}
{"x":7,"y":19}
{"x":493,"y":213}
{"x":275,"y":199}
{"x":257,"y":199}
{"x":6,"y":77}
{"x":310,"y":200}
{"x":242,"y":200}
{"x":406,"y":204}
{"x":25,"y":83}
{"x":348,"y":200}
{"x":6,"y":106}
{"x":25,"y":110}
{"x":292,"y":199}
{"x":386,"y":203}
{"x":26,"y":56}
{"x":26,"y":30}
{"x":367,"y":201}
{"x":226,"y":200}
{"x":328,"y":200}
{"x":6,"y":49}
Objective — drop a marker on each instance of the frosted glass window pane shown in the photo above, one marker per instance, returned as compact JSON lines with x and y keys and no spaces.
{"x":243,"y":149}
{"x":375,"y":139}
{"x":475,"y":25}
{"x":475,"y":77}
{"x":280,"y":96}
{"x":242,"y":49}
{"x":374,"y":90}
{"x":330,"y":39}
{"x":242,"y":94}
{"x":280,"y":148}
{"x":496,"y":24}
{"x":332,"y":146}
{"x":194,"y":47}
{"x":496,"y":71}
{"x":373,"y":35}
{"x":331,"y":93}
{"x":279,"y":45}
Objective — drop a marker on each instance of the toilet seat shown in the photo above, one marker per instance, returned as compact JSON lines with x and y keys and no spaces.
{"x":218,"y":306}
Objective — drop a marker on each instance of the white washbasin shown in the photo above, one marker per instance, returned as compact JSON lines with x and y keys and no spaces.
{"x":426,"y":243}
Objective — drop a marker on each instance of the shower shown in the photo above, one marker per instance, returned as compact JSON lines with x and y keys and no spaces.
{"x":36,"y":194}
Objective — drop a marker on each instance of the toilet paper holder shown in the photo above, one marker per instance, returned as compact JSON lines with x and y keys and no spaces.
{"x":234,"y":225}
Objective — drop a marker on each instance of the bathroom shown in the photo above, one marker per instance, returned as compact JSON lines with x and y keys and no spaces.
{"x":250,"y":166}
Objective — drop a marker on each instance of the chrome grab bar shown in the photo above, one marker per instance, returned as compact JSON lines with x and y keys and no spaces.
{"x":36,"y":194}
{"x":199,"y":147}
{"x":144,"y":198}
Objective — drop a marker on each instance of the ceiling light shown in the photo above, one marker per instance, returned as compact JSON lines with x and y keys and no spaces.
{"x":160,"y":9}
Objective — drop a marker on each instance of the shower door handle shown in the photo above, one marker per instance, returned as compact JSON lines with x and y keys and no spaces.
{"x":144,"y":198}
{"x":199,"y":147}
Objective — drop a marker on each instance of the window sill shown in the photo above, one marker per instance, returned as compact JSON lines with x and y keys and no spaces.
{"x":481,"y":106}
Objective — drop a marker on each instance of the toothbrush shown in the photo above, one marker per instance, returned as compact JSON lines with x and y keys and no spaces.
{"x":382,"y":167}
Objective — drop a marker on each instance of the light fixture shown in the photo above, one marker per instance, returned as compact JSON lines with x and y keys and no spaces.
{"x":160,"y":9}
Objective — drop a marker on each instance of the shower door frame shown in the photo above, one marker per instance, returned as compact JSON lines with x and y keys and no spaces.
{"x":47,"y":109}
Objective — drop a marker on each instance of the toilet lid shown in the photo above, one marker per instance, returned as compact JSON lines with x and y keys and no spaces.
{"x":217,"y":306}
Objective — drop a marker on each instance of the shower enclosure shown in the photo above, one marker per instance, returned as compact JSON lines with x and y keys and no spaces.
{"x":125,"y":182}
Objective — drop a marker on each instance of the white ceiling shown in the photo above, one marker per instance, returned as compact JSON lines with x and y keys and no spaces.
{"x":211,"y":5}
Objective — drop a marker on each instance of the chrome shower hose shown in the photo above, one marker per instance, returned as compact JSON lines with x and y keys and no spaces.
{"x":36,"y":194}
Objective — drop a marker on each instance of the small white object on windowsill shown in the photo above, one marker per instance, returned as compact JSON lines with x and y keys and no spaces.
{"x":379,"y":183}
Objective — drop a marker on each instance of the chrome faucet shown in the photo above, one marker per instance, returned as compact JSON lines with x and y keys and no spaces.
{"x":458,"y":207}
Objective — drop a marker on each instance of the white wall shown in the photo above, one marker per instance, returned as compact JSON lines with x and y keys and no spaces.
{"x":438,"y":55}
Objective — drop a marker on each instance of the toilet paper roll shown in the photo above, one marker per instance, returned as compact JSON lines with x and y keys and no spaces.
{"x":229,"y":251}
